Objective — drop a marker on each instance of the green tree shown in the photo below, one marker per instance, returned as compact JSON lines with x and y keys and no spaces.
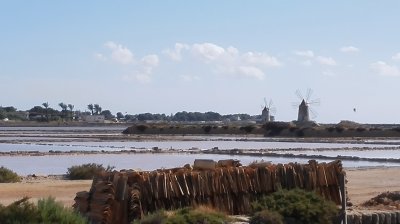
{"x":91,"y":108}
{"x":120,"y":116}
{"x":97,"y":109}
{"x":107,"y":114}
{"x":63,"y":109}
{"x":71,"y":110}
{"x":46,"y":107}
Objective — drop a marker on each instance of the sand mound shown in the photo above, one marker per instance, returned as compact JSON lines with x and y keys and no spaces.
{"x":388,"y":198}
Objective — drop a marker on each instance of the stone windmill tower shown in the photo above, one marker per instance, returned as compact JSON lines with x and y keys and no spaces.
{"x":305,"y":106}
{"x":267,"y":111}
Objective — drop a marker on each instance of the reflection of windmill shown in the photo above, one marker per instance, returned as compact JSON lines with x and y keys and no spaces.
{"x":305,"y":106}
{"x":268,"y":110}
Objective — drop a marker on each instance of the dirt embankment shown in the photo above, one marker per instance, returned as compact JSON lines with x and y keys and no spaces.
{"x":272,"y":129}
{"x":363,"y":184}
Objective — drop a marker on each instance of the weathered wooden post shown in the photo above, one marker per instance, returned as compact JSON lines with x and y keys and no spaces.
{"x":342,"y":182}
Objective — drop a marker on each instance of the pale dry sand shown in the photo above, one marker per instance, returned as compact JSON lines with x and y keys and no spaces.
{"x":362,"y":185}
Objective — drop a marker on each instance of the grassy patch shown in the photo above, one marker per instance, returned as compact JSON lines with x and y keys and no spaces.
{"x":298,"y":206}
{"x":198,"y":215}
{"x":86,"y":171}
{"x":46,"y":211}
{"x":8,"y":176}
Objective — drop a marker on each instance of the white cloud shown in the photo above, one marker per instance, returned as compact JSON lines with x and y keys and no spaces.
{"x":252,"y":72}
{"x":137,"y":77}
{"x":396,"y":57}
{"x":208,"y":51}
{"x":325,"y":60}
{"x":150,"y":60}
{"x":119,"y":53}
{"x":384,"y":69}
{"x":261,"y":58}
{"x":349,"y":49}
{"x":224,"y":61}
{"x":176,"y":53}
{"x":306,"y":53}
{"x":100,"y":57}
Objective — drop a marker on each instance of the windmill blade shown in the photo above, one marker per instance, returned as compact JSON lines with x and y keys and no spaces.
{"x":295,"y":105}
{"x":315,"y":102}
{"x":265,"y":102}
{"x":309,"y":93}
{"x":272,"y":110}
{"x":314,"y":114}
{"x":299,"y":95}
{"x":270,"y":104}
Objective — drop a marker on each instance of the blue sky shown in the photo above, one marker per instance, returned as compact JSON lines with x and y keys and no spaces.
{"x":223,"y":56}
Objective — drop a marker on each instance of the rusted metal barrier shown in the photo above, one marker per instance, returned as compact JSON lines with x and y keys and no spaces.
{"x":120,"y":197}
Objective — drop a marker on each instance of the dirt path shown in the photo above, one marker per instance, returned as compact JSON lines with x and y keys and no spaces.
{"x":63,"y":190}
{"x":362,"y":185}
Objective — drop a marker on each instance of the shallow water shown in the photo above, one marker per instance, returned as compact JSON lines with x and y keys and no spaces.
{"x":44,"y":139}
{"x":25,"y":165}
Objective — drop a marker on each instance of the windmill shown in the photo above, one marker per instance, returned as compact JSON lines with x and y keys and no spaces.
{"x":305,"y":106}
{"x":267,"y":110}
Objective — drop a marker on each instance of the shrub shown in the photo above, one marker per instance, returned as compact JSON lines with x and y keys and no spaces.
{"x":247,"y":129}
{"x":266,"y":217}
{"x":8,"y":176}
{"x":361,"y":129}
{"x":275,"y":128}
{"x":21,"y":211}
{"x":300,"y":133}
{"x":141,"y":128}
{"x":199,"y":215}
{"x":86,"y":171}
{"x":51,"y":211}
{"x":207,"y":129}
{"x":330,"y":129}
{"x":339,"y":129}
{"x":46,"y":211}
{"x":298,"y":206}
{"x":158,"y":217}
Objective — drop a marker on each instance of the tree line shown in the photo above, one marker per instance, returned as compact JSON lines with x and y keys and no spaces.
{"x":66,"y":112}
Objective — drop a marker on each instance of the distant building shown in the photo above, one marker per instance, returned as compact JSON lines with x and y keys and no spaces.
{"x":265,"y":115}
{"x":303,"y":115}
{"x":93,"y":118}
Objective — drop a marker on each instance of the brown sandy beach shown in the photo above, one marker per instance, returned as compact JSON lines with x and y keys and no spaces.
{"x":362,"y":185}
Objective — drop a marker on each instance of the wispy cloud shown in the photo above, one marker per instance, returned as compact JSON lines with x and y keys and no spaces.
{"x":311,"y":57}
{"x":226,"y":60}
{"x":141,"y":70}
{"x":396,"y":57}
{"x":175,"y":54}
{"x":349,"y":49}
{"x":306,"y":53}
{"x":119,"y":53}
{"x":325,"y":60}
{"x":384,"y":69}
{"x":100,"y":57}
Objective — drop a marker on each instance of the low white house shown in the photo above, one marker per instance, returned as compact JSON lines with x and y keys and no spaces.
{"x":93,"y":118}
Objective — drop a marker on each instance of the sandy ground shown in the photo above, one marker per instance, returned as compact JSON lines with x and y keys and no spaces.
{"x":362,"y":185}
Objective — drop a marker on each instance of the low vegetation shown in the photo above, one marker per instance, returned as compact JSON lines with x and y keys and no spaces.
{"x":86,"y":171}
{"x":266,"y":217}
{"x":198,"y":215}
{"x":45,"y":211}
{"x":296,"y":207}
{"x":8,"y":176}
